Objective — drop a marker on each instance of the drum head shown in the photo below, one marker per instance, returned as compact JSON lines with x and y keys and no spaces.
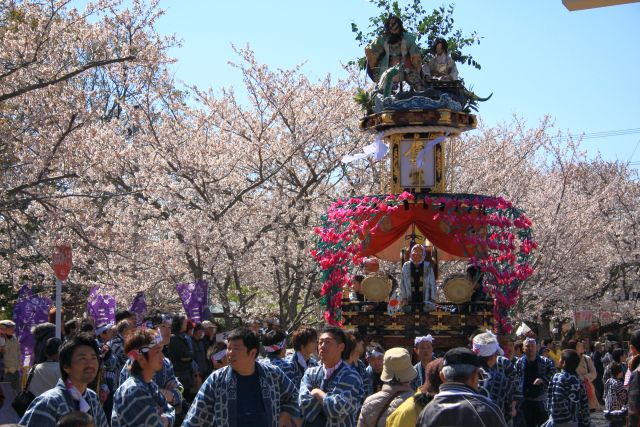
{"x":376,"y":287}
{"x":457,"y":289}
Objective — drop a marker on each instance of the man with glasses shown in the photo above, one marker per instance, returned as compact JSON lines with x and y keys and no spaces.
{"x":78,"y":367}
{"x":139,"y":401}
{"x":331,"y":394}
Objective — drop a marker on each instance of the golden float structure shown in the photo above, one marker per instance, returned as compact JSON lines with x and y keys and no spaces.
{"x":407,"y":133}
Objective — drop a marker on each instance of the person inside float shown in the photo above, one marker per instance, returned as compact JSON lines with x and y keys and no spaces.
{"x":418,"y":282}
{"x":479,"y":296}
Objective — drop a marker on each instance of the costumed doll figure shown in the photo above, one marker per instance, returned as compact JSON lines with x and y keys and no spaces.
{"x":418,"y":283}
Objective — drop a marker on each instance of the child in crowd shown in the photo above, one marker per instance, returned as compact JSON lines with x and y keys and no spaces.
{"x":568,"y":403}
{"x":615,"y":395}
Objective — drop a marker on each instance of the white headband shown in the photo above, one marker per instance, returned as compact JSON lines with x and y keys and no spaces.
{"x":486,"y":350}
{"x":374,"y":353}
{"x":103,"y":328}
{"x":419,"y":340}
{"x":276,"y":347}
{"x":219,"y":355}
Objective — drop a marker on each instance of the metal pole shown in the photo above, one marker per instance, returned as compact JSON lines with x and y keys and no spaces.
{"x":58,"y":307}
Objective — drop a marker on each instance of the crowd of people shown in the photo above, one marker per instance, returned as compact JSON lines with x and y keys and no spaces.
{"x":170,"y":371}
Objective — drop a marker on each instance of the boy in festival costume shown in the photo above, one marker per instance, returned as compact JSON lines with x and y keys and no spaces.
{"x":374,"y":356}
{"x":353,"y":351}
{"x":615,"y":395}
{"x":274,"y":344}
{"x":423,"y":349}
{"x":138,"y":401}
{"x":533,"y":374}
{"x":79,"y":367}
{"x":568,"y":403}
{"x":119,"y":357}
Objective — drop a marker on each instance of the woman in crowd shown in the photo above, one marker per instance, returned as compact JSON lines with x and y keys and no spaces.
{"x":47,"y":373}
{"x":407,"y":413}
{"x":586,"y":372}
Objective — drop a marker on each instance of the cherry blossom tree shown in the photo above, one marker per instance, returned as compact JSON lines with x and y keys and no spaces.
{"x":154,"y":183}
{"x":583,"y":212}
{"x":66,"y":79}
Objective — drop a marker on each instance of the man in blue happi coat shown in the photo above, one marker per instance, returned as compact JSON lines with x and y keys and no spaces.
{"x":165,"y":378}
{"x":274,"y":344}
{"x":305,"y":345}
{"x":331,"y":394}
{"x":139,"y":401}
{"x":245,"y":393}
{"x":494,"y":383}
{"x":78,"y":367}
{"x":533,"y":376}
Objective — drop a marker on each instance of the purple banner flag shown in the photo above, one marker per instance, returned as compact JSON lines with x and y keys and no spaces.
{"x":193,"y":297}
{"x":139,"y":307}
{"x":30,"y":310}
{"x":100,"y":306}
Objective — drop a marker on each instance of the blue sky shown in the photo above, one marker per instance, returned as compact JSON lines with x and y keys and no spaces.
{"x":537,"y":58}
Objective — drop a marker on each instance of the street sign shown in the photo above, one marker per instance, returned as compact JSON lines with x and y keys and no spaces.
{"x":62,"y":262}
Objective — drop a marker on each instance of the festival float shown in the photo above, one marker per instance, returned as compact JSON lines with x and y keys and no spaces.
{"x":414,"y":109}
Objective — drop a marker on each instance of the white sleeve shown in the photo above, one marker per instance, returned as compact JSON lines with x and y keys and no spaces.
{"x":429,"y":283}
{"x":405,"y":281}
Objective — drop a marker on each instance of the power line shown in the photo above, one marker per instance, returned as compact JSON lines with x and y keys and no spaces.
{"x":594,"y":135}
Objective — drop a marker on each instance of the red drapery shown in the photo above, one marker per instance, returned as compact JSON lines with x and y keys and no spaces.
{"x":388,"y":227}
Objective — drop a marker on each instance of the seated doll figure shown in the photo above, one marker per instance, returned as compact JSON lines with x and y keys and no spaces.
{"x":441,"y":67}
{"x":418,"y":282}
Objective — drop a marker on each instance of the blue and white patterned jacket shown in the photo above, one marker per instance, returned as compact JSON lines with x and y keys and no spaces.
{"x":165,"y":378}
{"x":119,"y":356}
{"x":217,"y":399}
{"x":286,"y":367}
{"x":367,"y":384}
{"x":505,"y":366}
{"x":374,"y":379}
{"x":299,"y":369}
{"x":342,"y":402}
{"x":568,"y":402}
{"x":546,"y":371}
{"x":138,"y":404}
{"x":49,"y":407}
{"x":419,"y":379}
{"x":110,"y":375}
{"x":496,"y":386}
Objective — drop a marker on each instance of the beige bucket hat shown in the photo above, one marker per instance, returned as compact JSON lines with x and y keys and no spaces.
{"x":397,"y":364}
